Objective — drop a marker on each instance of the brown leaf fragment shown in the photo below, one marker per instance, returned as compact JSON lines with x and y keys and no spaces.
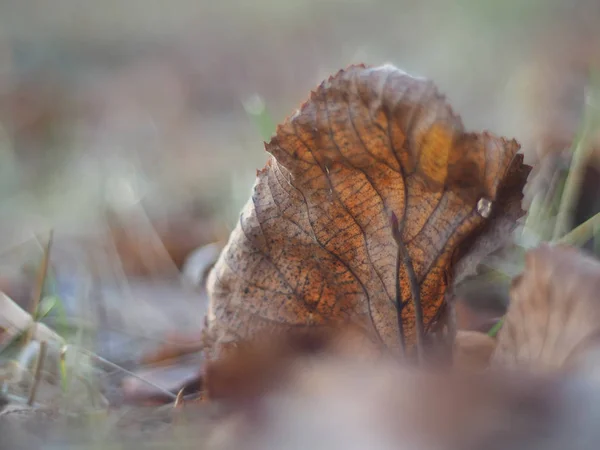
{"x":314,"y":246}
{"x":554,"y":316}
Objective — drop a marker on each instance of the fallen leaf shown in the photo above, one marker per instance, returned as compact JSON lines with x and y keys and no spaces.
{"x":314,"y":245}
{"x":554,"y":314}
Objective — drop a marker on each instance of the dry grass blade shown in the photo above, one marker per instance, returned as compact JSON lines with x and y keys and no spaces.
{"x":39,"y":286}
{"x":39,"y":366}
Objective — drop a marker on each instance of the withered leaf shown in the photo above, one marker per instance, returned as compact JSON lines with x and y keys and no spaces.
{"x":314,"y":245}
{"x":554,"y":314}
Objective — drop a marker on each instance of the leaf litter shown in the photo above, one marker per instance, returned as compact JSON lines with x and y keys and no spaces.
{"x":374,"y":205}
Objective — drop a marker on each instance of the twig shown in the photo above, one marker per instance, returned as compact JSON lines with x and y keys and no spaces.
{"x":38,"y":372}
{"x":39,"y":287}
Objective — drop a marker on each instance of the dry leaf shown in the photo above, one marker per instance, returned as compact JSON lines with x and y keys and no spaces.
{"x":314,"y":245}
{"x":554,"y":315}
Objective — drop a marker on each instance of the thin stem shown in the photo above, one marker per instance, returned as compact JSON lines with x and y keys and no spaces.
{"x":39,"y":288}
{"x":38,"y":372}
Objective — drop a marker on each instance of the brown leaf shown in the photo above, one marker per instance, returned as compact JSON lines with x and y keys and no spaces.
{"x":314,"y":245}
{"x":554,"y":315}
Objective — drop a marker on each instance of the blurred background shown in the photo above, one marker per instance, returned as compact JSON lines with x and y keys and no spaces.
{"x":134,"y":128}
